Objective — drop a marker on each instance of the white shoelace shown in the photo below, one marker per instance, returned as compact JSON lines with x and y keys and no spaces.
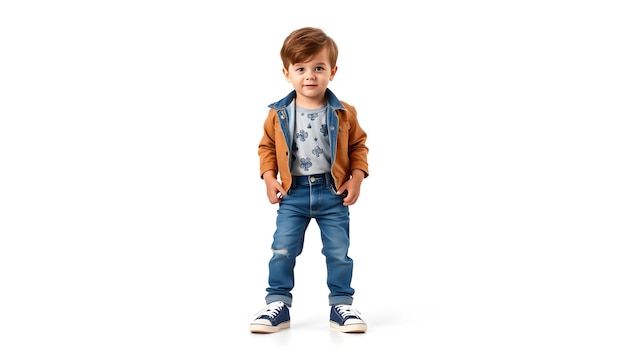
{"x":347,"y":311}
{"x":271,"y":310}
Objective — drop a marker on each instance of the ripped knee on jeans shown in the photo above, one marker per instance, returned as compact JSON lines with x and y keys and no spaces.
{"x":283,"y":252}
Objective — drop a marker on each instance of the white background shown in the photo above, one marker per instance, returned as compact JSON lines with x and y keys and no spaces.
{"x":133,"y":222}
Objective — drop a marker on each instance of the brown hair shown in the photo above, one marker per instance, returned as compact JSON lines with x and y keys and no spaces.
{"x":304,"y":43}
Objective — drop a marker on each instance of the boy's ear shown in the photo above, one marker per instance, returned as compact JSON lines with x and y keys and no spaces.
{"x":286,"y":73}
{"x":332,"y":73}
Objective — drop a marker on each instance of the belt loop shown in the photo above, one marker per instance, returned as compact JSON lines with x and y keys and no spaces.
{"x":294,"y":182}
{"x":329,"y":181}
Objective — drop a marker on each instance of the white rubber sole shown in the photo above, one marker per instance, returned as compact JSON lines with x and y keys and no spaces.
{"x":262,"y":328}
{"x":350,"y":328}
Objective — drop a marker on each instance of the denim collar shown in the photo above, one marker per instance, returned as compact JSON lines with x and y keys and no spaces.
{"x":331,"y":99}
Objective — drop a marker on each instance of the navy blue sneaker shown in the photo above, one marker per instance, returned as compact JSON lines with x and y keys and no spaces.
{"x":271,"y":319}
{"x":344,"y":318}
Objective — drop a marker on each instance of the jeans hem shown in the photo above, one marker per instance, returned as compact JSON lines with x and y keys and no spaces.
{"x":340,"y":301}
{"x":274,"y":298}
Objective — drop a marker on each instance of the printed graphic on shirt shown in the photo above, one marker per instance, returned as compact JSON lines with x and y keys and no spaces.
{"x":311,"y":146}
{"x":317,"y":151}
{"x":302,"y":135}
{"x":305,"y":164}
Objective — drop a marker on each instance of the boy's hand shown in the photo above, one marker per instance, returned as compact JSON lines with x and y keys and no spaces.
{"x":275,"y":191}
{"x":352,"y":187}
{"x":350,"y":191}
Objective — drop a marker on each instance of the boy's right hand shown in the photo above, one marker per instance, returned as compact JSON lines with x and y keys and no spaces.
{"x":275,"y":191}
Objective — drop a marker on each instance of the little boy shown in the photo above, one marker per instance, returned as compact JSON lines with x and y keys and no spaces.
{"x":314,"y":143}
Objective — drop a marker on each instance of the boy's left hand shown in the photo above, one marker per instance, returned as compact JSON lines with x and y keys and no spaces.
{"x":353,"y":189}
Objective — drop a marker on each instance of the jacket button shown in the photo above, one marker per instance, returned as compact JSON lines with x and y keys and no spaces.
{"x":286,"y":153}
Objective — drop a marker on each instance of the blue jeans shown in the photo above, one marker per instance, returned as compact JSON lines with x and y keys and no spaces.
{"x":311,"y":197}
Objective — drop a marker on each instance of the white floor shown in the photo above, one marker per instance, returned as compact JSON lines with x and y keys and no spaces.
{"x":133,"y":222}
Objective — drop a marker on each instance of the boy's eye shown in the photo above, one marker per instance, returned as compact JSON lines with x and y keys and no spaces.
{"x":319,"y":69}
{"x":299,"y":69}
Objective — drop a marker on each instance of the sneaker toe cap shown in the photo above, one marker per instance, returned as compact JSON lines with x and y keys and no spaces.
{"x":262,"y":322}
{"x":351,"y":321}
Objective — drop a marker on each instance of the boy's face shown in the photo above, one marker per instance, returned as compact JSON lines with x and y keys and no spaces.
{"x":310,"y":79}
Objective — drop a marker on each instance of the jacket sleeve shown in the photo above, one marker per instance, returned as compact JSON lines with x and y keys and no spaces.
{"x":357,"y":148}
{"x":267,"y":146}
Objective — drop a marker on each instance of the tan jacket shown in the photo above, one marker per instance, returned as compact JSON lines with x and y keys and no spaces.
{"x":347,"y":140}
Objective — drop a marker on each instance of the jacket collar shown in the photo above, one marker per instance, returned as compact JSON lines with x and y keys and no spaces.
{"x":333,"y":101}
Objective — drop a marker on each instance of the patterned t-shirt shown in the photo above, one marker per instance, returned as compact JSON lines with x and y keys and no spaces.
{"x":311,"y":146}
